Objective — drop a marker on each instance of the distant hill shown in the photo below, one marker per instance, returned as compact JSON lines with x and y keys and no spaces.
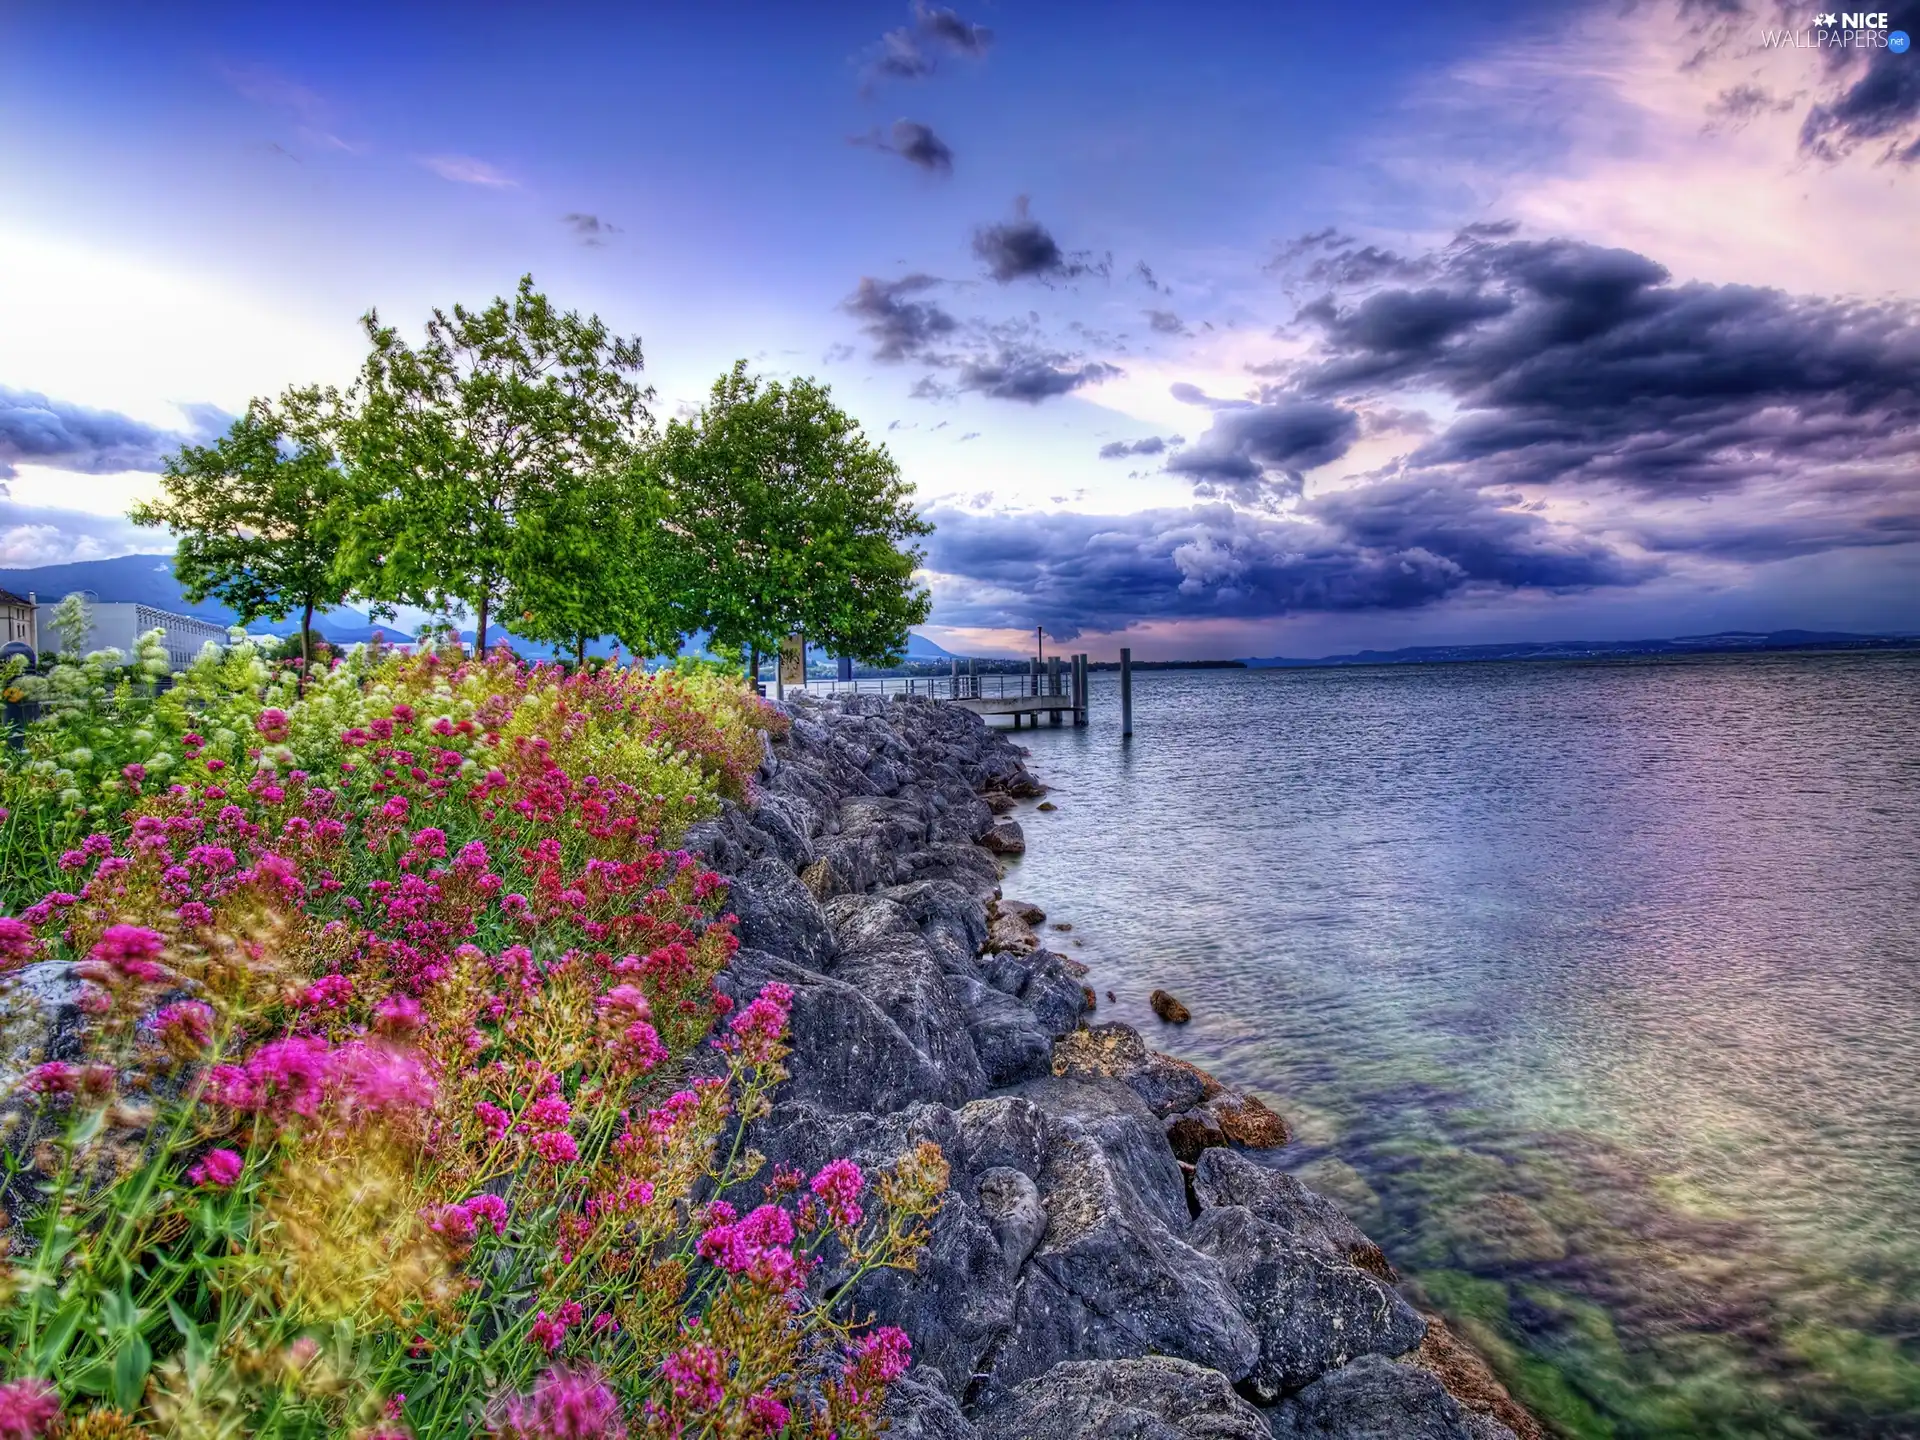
{"x":1725,"y":642}
{"x":148,"y":580}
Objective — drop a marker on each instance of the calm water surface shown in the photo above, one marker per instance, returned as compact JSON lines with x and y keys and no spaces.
{"x":1593,"y":990}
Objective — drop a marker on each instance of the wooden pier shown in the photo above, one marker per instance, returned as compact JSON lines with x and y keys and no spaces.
{"x":1057,"y":691}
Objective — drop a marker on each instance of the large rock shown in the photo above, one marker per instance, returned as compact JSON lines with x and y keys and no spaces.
{"x":1312,"y":1312}
{"x":918,"y":1407}
{"x":1109,"y":1280}
{"x":1375,"y":1399}
{"x":1155,"y":1398}
{"x":883,"y":955}
{"x":778,"y":915}
{"x":1005,"y":838}
{"x":1118,"y":1052}
{"x":1009,"y":1039}
{"x":1010,"y":1204}
{"x":1308,"y":1220}
{"x":1127,"y":1132}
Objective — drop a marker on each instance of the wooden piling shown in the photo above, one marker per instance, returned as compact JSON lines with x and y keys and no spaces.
{"x":1126,"y":693}
{"x":1053,"y":686}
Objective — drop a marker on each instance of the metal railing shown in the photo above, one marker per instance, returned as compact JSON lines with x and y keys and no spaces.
{"x":999,"y":686}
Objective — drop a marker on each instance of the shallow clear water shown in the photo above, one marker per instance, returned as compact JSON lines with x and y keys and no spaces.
{"x":1592,"y":989}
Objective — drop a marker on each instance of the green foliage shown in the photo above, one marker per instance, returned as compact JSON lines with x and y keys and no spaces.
{"x":478,"y":456}
{"x":259,"y":512}
{"x":792,"y":521}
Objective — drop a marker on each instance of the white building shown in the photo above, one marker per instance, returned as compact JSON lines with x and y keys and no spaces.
{"x":117,"y":626}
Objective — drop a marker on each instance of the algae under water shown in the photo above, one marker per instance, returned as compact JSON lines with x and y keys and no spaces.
{"x":1592,"y":989}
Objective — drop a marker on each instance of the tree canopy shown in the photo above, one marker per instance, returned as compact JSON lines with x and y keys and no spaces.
{"x":507,"y":467}
{"x":495,"y":420}
{"x":258,"y":512}
{"x":792,"y":520}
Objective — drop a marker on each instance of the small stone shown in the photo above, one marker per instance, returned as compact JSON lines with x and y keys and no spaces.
{"x":1047,"y":805}
{"x":999,"y":802}
{"x":819,"y":880}
{"x":1093,"y":1000}
{"x":1168,"y":1008}
{"x":1025,"y":910}
{"x":1247,"y":1120}
{"x":1062,"y":926}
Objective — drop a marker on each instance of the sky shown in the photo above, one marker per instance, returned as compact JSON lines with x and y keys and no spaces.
{"x":1216,"y":330}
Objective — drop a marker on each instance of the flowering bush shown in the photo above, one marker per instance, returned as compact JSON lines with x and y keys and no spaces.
{"x":401,"y":1110}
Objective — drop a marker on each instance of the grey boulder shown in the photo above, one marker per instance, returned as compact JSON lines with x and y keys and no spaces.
{"x":1375,"y":1399}
{"x":1158,"y":1398}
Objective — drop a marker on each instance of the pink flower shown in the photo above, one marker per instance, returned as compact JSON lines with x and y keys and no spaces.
{"x":565,"y":1405}
{"x":548,"y":1113}
{"x":186,"y":1026}
{"x":627,"y":1000}
{"x":759,"y":1026}
{"x":493,"y":1119}
{"x":882,"y":1355}
{"x":218,"y":1168}
{"x":17,"y":944}
{"x":641,"y":1047}
{"x":767,"y":1413}
{"x":397,"y":1015}
{"x":488,"y":1210}
{"x":839,"y":1185}
{"x":557,"y":1147}
{"x":130,"y":950}
{"x":28,"y":1409}
{"x":698,"y":1375}
{"x":383,"y":1079}
{"x":329,"y":992}
{"x":273,"y":725}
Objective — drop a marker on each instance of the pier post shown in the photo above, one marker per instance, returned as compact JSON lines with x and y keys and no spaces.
{"x":1053,"y":686}
{"x":1126,"y":693}
{"x":1080,"y":689}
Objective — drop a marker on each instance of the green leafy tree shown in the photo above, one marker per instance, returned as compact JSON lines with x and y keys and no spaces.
{"x":470,"y":449}
{"x":792,"y":520}
{"x":597,"y":558}
{"x":257,"y":513}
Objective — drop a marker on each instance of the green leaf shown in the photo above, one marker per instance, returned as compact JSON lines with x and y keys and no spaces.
{"x":53,"y":1340}
{"x":130,"y":1369}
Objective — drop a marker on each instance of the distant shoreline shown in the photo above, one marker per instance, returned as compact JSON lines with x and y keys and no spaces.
{"x":1777,"y":642}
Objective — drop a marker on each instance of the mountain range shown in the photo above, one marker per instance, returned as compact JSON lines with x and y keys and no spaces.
{"x":1721,"y":643}
{"x":149,"y":580}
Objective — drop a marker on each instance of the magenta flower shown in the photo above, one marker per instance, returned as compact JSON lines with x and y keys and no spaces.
{"x":397,"y":1015}
{"x":768,"y":1414}
{"x":130,"y":950}
{"x":489,"y":1211}
{"x":565,"y":1405}
{"x":329,"y":992}
{"x":493,"y":1119}
{"x":187,"y":1025}
{"x":839,"y":1185}
{"x":273,"y":725}
{"x":17,"y":944}
{"x":218,"y":1168}
{"x":557,"y":1147}
{"x":28,"y":1409}
{"x":698,"y":1375}
{"x":383,"y":1079}
{"x":882,"y":1355}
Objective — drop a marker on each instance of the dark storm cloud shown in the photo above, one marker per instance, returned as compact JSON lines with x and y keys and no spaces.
{"x":1149,"y":279}
{"x":1024,"y":249}
{"x":1575,"y":363}
{"x":1331,"y":257}
{"x":1032,"y":375}
{"x":1165,"y":322}
{"x":1389,"y":546}
{"x":1254,"y":455}
{"x":35,"y":430}
{"x":900,"y":326}
{"x":914,"y":143}
{"x":912,"y":52}
{"x":1880,"y":107}
{"x":1152,"y":445}
{"x":1005,"y":360}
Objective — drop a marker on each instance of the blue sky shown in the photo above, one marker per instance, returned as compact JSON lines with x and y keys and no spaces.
{"x":1423,"y":323}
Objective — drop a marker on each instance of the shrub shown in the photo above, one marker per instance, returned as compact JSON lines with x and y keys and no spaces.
{"x":399,"y":1109}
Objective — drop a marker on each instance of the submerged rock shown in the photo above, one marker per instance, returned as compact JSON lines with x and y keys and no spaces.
{"x":1375,"y":1399}
{"x":1005,"y":838}
{"x":1470,"y":1380}
{"x":1169,"y":1009}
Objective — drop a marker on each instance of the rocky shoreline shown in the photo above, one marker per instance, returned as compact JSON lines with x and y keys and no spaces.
{"x":1110,"y":1263}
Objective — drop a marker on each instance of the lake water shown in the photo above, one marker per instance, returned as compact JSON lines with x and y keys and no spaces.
{"x":1592,"y":990}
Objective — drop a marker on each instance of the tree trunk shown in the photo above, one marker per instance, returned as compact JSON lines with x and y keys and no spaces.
{"x":580,"y":653}
{"x":753,"y":668}
{"x":306,"y":644}
{"x":480,"y":632}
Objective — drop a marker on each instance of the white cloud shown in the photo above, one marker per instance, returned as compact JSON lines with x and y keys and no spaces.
{"x":465,"y":170}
